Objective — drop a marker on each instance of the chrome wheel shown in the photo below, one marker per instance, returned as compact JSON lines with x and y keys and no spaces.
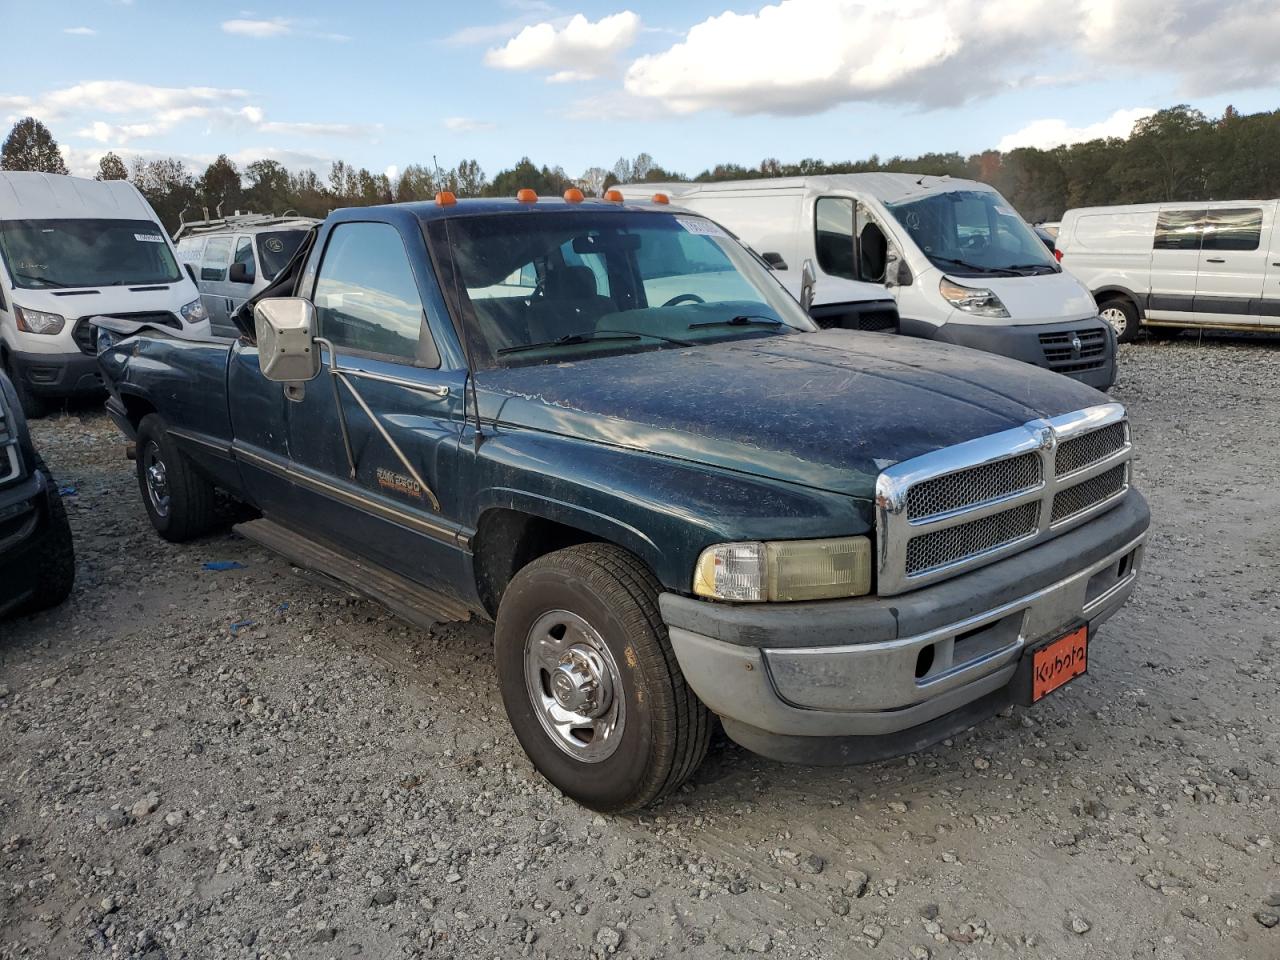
{"x":157,"y":479}
{"x":574,"y":686}
{"x":1118,"y":319}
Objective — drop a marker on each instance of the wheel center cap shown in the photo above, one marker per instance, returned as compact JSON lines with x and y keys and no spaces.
{"x":575,"y":684}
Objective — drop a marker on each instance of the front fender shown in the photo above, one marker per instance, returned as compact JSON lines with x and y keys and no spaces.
{"x":665,"y":510}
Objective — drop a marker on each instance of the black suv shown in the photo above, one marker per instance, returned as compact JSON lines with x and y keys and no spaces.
{"x":37,"y":562}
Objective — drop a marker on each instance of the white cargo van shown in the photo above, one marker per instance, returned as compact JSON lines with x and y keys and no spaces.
{"x":1173,"y":265}
{"x":960,"y":262}
{"x":71,"y":249}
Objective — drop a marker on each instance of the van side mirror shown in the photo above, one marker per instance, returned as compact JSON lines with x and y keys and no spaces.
{"x":774,"y":260}
{"x":896,"y":271}
{"x":285,"y":327}
{"x":191,"y":272}
{"x":808,"y":278}
{"x":240,"y":273}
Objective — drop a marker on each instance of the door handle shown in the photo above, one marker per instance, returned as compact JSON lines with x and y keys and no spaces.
{"x":1215,"y":260}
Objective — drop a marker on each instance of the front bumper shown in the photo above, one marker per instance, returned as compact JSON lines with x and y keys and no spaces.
{"x":1048,"y":345}
{"x":859,"y":680}
{"x":58,"y":374}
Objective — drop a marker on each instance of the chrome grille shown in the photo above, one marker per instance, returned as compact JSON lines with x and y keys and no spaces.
{"x":976,"y":537}
{"x":1088,"y":449}
{"x":977,"y":485}
{"x":1067,"y":503}
{"x":967,"y":505}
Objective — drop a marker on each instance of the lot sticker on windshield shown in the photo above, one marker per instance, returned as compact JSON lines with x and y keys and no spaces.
{"x":148,"y":237}
{"x":703,"y":228}
{"x":275,"y":245}
{"x":1004,"y":211}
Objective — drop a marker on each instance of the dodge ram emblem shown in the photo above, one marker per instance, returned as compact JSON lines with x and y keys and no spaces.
{"x":1076,"y":344}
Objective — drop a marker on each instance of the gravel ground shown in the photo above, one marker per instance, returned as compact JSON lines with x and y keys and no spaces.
{"x":243,"y":764}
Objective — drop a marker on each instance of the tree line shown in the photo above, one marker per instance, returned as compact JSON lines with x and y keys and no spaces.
{"x":1178,"y":154}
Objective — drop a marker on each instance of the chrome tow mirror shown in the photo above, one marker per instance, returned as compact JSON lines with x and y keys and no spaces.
{"x":287,"y":352}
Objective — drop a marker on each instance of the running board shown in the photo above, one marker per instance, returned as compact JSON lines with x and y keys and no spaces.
{"x":408,"y":600}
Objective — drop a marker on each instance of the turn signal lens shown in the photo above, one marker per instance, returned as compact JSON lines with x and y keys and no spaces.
{"x":787,"y":570}
{"x":573,"y":195}
{"x":525,"y":195}
{"x":445,"y":198}
{"x":613,"y":195}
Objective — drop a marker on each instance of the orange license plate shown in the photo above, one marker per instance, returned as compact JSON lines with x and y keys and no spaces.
{"x":1058,"y":663}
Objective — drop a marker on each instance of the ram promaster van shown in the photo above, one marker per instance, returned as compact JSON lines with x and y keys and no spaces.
{"x":1173,"y":265}
{"x":71,"y":249}
{"x":962,"y":264}
{"x":233,"y":258}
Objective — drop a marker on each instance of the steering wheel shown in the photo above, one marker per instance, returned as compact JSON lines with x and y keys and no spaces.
{"x":684,"y":298}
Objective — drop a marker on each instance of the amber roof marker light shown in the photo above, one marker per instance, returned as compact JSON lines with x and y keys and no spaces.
{"x":614,"y":196}
{"x":445,"y":198}
{"x":525,"y":195}
{"x":573,"y":195}
{"x":660,"y":198}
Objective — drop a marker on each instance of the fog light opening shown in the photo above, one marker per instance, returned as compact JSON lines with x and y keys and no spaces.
{"x":924,"y":662}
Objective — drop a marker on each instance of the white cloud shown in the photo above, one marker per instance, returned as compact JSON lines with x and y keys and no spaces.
{"x":84,"y":162}
{"x":466,"y":124}
{"x":579,"y":50}
{"x":80,"y":31}
{"x":1050,"y":133}
{"x":806,"y":56}
{"x":275,"y":27}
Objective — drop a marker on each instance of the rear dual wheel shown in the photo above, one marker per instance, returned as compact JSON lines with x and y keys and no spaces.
{"x":590,"y":682}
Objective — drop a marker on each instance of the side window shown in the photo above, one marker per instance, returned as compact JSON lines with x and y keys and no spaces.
{"x":1233,"y":229}
{"x":216,"y":259}
{"x":244,"y":254}
{"x":366,"y":298}
{"x":1179,"y":229}
{"x":833,"y":236}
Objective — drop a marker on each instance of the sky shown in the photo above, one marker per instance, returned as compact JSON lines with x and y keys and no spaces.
{"x":693,"y":83}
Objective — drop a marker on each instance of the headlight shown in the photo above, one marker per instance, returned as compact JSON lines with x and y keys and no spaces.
{"x":785,"y":570}
{"x":194,"y":312}
{"x":979,"y":301}
{"x":37,"y":321}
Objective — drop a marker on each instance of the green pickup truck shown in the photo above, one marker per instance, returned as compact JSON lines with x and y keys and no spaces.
{"x":610,"y":430}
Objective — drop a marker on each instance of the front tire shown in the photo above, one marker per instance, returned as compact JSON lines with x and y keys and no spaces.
{"x":53,"y":558}
{"x":33,"y":407}
{"x":1123,"y":317}
{"x":590,"y":682}
{"x":180,"y":502}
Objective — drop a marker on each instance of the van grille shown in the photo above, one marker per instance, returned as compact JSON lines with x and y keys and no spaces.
{"x":963,"y":506}
{"x":1062,"y":354}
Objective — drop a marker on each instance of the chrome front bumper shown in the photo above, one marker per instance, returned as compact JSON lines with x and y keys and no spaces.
{"x":883,"y":688}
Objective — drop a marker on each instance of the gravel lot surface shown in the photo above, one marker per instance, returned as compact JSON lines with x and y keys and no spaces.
{"x":243,"y":764}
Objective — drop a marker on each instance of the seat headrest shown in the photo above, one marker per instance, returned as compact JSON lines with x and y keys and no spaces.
{"x":571,"y":283}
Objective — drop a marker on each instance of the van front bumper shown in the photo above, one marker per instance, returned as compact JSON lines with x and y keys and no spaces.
{"x":853,"y":681}
{"x":58,"y":374}
{"x":1066,"y":348}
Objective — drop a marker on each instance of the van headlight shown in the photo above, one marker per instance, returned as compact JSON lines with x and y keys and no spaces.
{"x":37,"y":321}
{"x":194,"y":312}
{"x":785,"y":570}
{"x":978,"y":301}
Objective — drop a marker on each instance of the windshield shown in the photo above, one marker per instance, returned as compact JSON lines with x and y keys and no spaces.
{"x":275,"y":248}
{"x":571,"y":285}
{"x":86,"y":253}
{"x":973,"y":232}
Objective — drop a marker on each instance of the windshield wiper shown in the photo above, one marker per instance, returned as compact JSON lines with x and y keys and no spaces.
{"x":1033,"y":266}
{"x":1004,"y":271}
{"x":45,"y":280}
{"x":742,"y":320}
{"x":589,"y":336}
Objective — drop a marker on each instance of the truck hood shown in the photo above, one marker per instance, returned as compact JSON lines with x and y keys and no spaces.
{"x":828,"y":410}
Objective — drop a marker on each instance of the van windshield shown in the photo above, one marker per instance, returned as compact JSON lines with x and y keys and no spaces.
{"x":571,"y":285}
{"x":43,"y":254}
{"x":972,"y":233}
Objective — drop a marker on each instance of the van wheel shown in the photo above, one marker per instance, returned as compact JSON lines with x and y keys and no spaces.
{"x":590,"y":682}
{"x":54,"y":557}
{"x":33,"y":407}
{"x":180,"y":502}
{"x":1123,"y":317}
